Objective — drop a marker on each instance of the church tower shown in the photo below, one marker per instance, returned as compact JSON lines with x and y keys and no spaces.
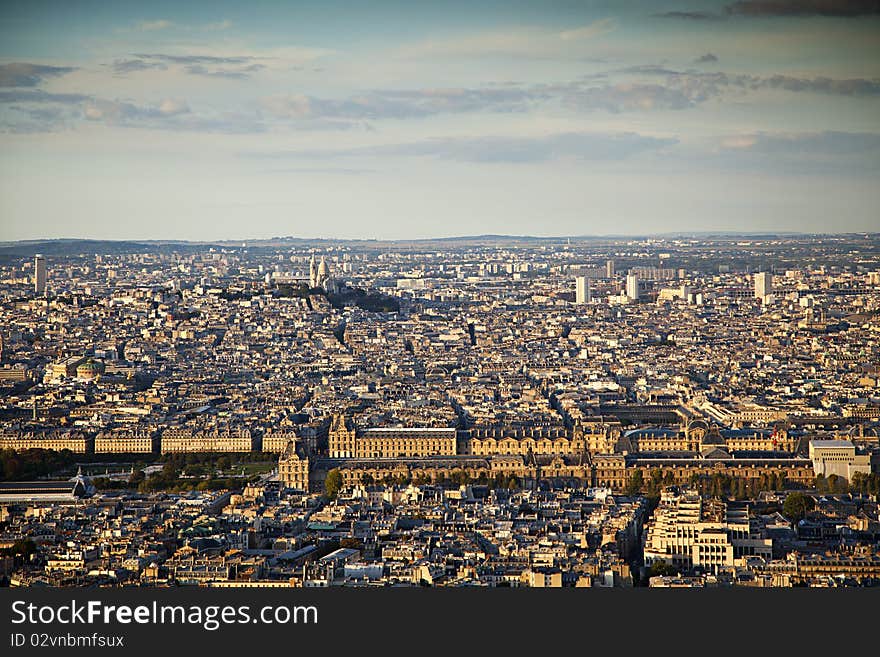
{"x":313,"y":272}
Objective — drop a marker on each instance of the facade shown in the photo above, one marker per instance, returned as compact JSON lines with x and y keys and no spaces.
{"x":838,"y":457}
{"x":274,"y":442}
{"x":492,"y":441}
{"x":293,"y":466}
{"x":184,"y":440}
{"x":632,"y":287}
{"x":126,"y":442}
{"x":582,"y":289}
{"x":74,"y":441}
{"x":690,"y":532}
{"x":40,"y":276}
{"x":615,"y":470}
{"x":345,"y":441}
{"x":763,"y":284}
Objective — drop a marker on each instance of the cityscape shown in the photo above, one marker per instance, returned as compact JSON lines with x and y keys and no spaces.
{"x":668,"y":411}
{"x":437,"y":295}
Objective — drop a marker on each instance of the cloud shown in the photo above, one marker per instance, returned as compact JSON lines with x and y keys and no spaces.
{"x":834,"y":153}
{"x":237,"y":68}
{"x":21,"y":74}
{"x":629,"y":97}
{"x":706,"y":59}
{"x":234,"y":74}
{"x":842,"y":87}
{"x":739,"y":141}
{"x":699,"y":86}
{"x":503,"y":149}
{"x":594,"y":29}
{"x":835,"y":8}
{"x":150,"y":26}
{"x":40,"y":96}
{"x":402,"y":104}
{"x":784,"y":8}
{"x":690,"y":15}
{"x":811,"y":143}
{"x":218,"y":26}
{"x":170,"y":107}
{"x":124,"y":66}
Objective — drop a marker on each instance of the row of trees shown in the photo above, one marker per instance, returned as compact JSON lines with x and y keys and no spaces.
{"x":34,"y":463}
{"x":717,"y":484}
{"x":864,"y":484}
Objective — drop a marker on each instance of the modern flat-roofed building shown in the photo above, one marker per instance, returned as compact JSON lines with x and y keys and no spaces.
{"x":763,"y":284}
{"x":690,"y":532}
{"x":838,"y":457}
{"x":582,"y":289}
{"x":39,"y":274}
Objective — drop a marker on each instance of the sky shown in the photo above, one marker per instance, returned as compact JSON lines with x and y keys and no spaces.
{"x":400,"y":120}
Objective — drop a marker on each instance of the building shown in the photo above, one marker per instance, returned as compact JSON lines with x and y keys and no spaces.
{"x":838,"y":457}
{"x":293,"y":466}
{"x":184,"y":440}
{"x":582,"y":289}
{"x":320,"y":277}
{"x":690,"y":533}
{"x":19,"y":492}
{"x":126,"y":442}
{"x":609,"y":269}
{"x":39,"y":274}
{"x":57,"y":440}
{"x":632,"y":287}
{"x":391,"y":442}
{"x":763,"y":284}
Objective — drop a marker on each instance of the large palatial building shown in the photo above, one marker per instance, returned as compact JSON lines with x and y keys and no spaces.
{"x":346,"y":441}
{"x":598,"y":452}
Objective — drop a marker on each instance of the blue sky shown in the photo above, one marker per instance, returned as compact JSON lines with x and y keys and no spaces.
{"x":231,"y":120}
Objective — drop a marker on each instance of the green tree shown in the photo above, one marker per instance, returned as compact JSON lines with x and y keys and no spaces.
{"x":662,"y":568}
{"x":333,"y":483}
{"x":797,"y":505}
{"x":634,"y":483}
{"x":859,"y":483}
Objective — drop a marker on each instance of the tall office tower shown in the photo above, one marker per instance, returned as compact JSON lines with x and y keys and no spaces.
{"x":763,"y":284}
{"x":582,"y":290}
{"x":39,"y":274}
{"x":632,"y":287}
{"x":609,"y":269}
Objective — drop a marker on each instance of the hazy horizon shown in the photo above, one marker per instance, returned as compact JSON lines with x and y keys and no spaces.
{"x":413,"y":121}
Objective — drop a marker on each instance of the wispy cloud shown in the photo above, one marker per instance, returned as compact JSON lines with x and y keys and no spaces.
{"x":501,"y":149}
{"x":783,"y":8}
{"x":22,"y":74}
{"x":217,"y":26}
{"x":813,"y":143}
{"x":690,"y":15}
{"x":700,"y":85}
{"x":125,"y":66}
{"x":236,"y":67}
{"x":402,"y":104}
{"x":594,"y":29}
{"x":152,"y":26}
{"x":835,"y":8}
